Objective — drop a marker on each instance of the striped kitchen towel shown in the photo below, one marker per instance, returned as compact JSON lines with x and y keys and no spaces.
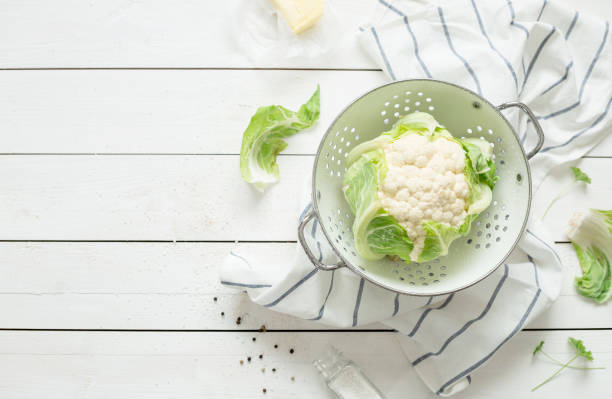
{"x":550,"y":58}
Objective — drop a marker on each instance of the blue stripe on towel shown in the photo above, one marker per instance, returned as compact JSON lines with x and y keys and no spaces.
{"x":580,"y":133}
{"x":595,"y":59}
{"x":561,"y":80}
{"x":240,"y":257}
{"x":382,"y":53}
{"x":331,"y":285}
{"x":414,"y":40}
{"x":426,"y":312}
{"x":484,"y":33}
{"x":358,"y":301}
{"x":583,"y":84}
{"x":546,"y":244}
{"x":416,"y":48}
{"x":450,"y":45}
{"x":395,"y":305}
{"x":232,"y":283}
{"x":572,"y":24}
{"x":542,"y":10}
{"x":304,"y":212}
{"x":469,"y":323}
{"x":536,"y":55}
{"x":293,"y":288}
{"x":513,"y":16}
{"x":512,"y":333}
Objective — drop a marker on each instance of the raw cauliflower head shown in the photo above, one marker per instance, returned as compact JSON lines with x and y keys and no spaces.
{"x":415,"y":189}
{"x":425,"y":180}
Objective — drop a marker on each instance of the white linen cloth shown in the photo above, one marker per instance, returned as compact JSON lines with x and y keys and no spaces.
{"x":554,"y":60}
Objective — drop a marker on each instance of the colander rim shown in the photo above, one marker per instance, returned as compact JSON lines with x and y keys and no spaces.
{"x":357,"y":270}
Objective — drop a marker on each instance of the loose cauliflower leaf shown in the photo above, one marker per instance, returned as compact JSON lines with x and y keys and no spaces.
{"x":263,"y":139}
{"x":591,"y":235}
{"x":595,"y":280}
{"x":378,"y":233}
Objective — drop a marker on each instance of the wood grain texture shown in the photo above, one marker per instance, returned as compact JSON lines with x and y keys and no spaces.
{"x":166,"y":286}
{"x":196,"y":365}
{"x":183,"y":198}
{"x":162,"y":111}
{"x":154,"y":34}
{"x":170,"y":111}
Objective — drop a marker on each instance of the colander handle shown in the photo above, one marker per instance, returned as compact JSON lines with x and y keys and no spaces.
{"x":533,"y":119}
{"x":315,"y":261}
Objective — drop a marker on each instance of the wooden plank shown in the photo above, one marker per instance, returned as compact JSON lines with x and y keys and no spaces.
{"x":171,"y":111}
{"x":161,"y":111}
{"x":181,"y":198}
{"x":160,"y":34}
{"x":152,"y":34}
{"x":166,"y":286}
{"x":196,"y":365}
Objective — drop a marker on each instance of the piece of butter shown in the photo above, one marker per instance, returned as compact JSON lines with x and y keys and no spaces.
{"x":300,"y":14}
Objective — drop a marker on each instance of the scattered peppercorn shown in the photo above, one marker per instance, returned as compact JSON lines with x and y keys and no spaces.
{"x":261,"y":356}
{"x":274,"y":370}
{"x":265,"y":390}
{"x":254,"y":339}
{"x":238,"y":320}
{"x":291,"y":351}
{"x":215,"y":299}
{"x":249,"y":359}
{"x":263,"y":370}
{"x":241,"y":362}
{"x":262,"y":328}
{"x":222,"y":313}
{"x":276,"y":346}
{"x":292,"y":378}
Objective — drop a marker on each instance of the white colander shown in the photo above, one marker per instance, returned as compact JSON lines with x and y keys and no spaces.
{"x":465,"y":114}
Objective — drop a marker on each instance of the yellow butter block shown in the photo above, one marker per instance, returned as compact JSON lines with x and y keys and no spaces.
{"x":300,"y":14}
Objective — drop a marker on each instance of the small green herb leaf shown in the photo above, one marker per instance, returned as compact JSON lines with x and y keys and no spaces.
{"x":538,"y":348}
{"x":580,"y":349}
{"x":579,"y":175}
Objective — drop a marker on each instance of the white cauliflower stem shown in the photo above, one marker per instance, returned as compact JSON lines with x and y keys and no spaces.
{"x":425,"y":180}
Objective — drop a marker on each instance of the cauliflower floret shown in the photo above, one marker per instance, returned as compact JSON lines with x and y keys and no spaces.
{"x":425,"y":180}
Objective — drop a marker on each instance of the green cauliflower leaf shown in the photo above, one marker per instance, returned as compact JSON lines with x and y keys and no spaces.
{"x":264,"y":138}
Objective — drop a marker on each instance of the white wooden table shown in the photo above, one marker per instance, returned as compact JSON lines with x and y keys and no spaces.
{"x":120,"y":194}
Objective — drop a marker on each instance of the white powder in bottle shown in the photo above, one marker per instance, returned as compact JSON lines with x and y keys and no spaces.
{"x":345,"y":378}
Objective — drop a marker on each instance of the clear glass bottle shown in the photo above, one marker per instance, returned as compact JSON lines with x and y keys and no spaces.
{"x":345,"y":378}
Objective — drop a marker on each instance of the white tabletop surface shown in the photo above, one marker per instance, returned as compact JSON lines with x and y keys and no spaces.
{"x":120,"y":194}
